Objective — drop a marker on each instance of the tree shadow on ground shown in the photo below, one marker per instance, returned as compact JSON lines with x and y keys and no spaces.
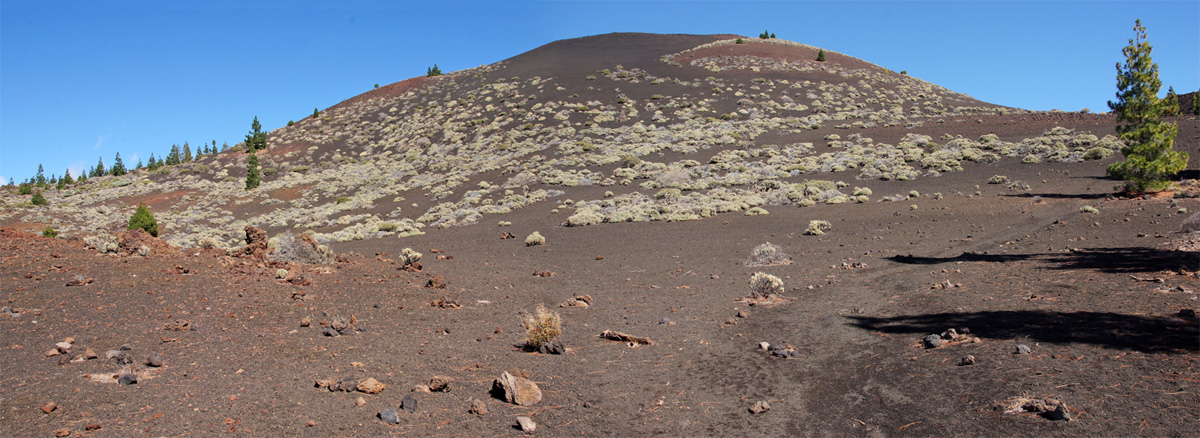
{"x":964,"y":257}
{"x":1125,"y":260}
{"x":1147,"y":334}
{"x":1059,"y":195}
{"x":1111,"y":260}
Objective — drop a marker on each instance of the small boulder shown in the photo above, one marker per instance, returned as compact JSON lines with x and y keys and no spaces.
{"x":370,"y":386}
{"x":49,"y":407}
{"x":440,"y":383}
{"x":62,"y":432}
{"x":1023,"y":349}
{"x":389,"y":416}
{"x":967,"y":360}
{"x":526,"y":424}
{"x":517,"y":390}
{"x":420,"y":388}
{"x":409,"y":403}
{"x":932,"y":341}
{"x":89,"y":354}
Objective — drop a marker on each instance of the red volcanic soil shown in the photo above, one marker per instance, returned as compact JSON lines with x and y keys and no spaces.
{"x":1104,"y":302}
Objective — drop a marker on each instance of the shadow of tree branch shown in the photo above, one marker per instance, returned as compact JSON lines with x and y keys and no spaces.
{"x":1149,"y":334}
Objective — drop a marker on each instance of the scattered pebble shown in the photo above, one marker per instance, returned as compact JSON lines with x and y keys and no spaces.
{"x":154,"y":360}
{"x":666,"y":321}
{"x":409,"y":403}
{"x":62,"y":432}
{"x":760,"y":407}
{"x":89,"y":354}
{"x":128,"y":379}
{"x":329,"y":331}
{"x":967,"y":360}
{"x":552,"y":347}
{"x":420,"y":388}
{"x":49,"y":407}
{"x":764,"y":345}
{"x":360,"y":401}
{"x":1023,"y":349}
{"x":743,"y":314}
{"x":478,"y":407}
{"x":305,"y":322}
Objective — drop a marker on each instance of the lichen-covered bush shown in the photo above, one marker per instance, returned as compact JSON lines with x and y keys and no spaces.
{"x":768,"y":254}
{"x":818,"y":227}
{"x":535,"y":239}
{"x":765,"y":286}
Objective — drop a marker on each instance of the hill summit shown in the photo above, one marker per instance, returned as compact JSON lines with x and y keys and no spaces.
{"x":611,"y":128}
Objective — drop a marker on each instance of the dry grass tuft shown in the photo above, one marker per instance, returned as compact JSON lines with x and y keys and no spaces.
{"x":542,"y":327}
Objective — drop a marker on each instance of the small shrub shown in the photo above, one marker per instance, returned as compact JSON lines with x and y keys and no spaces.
{"x":289,"y":248}
{"x":343,"y":199}
{"x":535,"y":239}
{"x":739,"y":41}
{"x":764,"y":285}
{"x":757,"y":211}
{"x":818,"y":227}
{"x":49,"y":232}
{"x":291,"y":123}
{"x":144,"y":219}
{"x":541,"y":327}
{"x":998,"y":179}
{"x":914,"y":194}
{"x":1191,"y":224}
{"x":38,"y":199}
{"x":820,"y":56}
{"x":1089,"y":209}
{"x":1097,"y":153}
{"x":1030,"y":159}
{"x":408,"y":257}
{"x":768,"y":254}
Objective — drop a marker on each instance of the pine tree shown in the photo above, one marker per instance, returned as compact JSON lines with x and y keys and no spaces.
{"x":99,"y":169}
{"x":1172,"y":102}
{"x":175,"y":155}
{"x":40,"y":178}
{"x":151,"y":163}
{"x":316,"y":113}
{"x":256,"y":139}
{"x":83,"y":177}
{"x":1196,"y":103}
{"x":820,"y":55}
{"x":144,"y":219}
{"x":252,"y":175}
{"x":118,"y":167}
{"x":38,"y":199}
{"x":67,"y":179}
{"x":433,"y":71}
{"x":224,"y":146}
{"x":140,"y":165}
{"x":187,"y":152}
{"x":1150,"y":159}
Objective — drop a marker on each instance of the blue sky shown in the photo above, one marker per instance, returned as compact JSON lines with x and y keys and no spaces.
{"x":80,"y":80}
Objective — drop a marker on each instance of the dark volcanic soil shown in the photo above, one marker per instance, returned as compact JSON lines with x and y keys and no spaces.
{"x":1096,"y":298}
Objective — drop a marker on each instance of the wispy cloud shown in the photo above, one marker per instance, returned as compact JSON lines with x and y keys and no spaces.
{"x":99,"y":142}
{"x":76,"y":168}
